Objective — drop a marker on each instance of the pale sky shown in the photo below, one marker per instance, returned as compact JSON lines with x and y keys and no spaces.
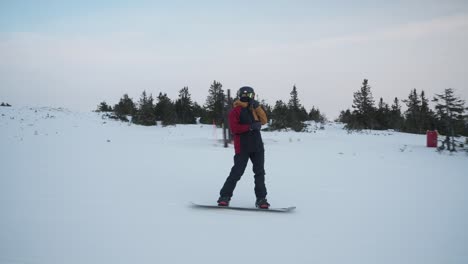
{"x":75,"y":54}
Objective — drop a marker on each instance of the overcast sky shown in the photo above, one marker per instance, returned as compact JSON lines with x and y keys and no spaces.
{"x":75,"y":54}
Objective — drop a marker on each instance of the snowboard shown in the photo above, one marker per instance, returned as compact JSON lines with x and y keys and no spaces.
{"x":240,"y":208}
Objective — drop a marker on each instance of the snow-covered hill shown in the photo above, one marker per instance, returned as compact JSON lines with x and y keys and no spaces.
{"x":76,"y":188}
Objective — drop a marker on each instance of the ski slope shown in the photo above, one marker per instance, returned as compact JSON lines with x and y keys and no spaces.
{"x":76,"y":188}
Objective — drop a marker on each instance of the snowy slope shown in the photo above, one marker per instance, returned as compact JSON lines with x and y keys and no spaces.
{"x":75,"y":188}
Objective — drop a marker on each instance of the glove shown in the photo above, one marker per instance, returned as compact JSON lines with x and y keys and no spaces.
{"x":254,"y":103}
{"x":255,"y":125}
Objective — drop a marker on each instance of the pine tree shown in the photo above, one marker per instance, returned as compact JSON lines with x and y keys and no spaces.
{"x":294,"y":103}
{"x":165,"y":110}
{"x":184,"y":107}
{"x":145,"y":114}
{"x":303,"y":115}
{"x":214,"y":104}
{"x":104,"y":107}
{"x":199,"y":112}
{"x":345,"y":117}
{"x":465,"y":129}
{"x":413,"y":113}
{"x":296,"y":112}
{"x":125,"y":107}
{"x":279,"y":116}
{"x":426,"y":115}
{"x":396,"y":119}
{"x":364,"y":110}
{"x":382,"y":116}
{"x":449,"y":111}
{"x":316,"y":116}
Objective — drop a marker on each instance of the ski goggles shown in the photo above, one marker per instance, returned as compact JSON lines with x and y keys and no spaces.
{"x":249,"y":95}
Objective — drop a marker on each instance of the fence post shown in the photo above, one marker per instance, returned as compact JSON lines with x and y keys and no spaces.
{"x":225,"y":122}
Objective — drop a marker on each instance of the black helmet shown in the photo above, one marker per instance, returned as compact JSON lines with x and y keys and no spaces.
{"x":246,"y":91}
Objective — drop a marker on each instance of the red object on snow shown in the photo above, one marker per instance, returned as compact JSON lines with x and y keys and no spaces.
{"x":431,"y":138}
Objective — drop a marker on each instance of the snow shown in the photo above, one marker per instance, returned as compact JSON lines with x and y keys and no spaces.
{"x":76,"y":188}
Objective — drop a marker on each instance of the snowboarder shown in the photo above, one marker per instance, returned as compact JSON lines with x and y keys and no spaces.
{"x":246,"y":120}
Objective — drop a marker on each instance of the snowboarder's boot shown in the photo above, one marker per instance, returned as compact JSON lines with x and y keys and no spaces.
{"x":262,"y":203}
{"x":224,"y":201}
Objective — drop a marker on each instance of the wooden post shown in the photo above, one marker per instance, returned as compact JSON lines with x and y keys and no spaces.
{"x":229,"y":107}
{"x":224,"y":136}
{"x":225,"y":123}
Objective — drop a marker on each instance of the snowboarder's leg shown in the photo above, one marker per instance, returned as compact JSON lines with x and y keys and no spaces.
{"x":258,"y":161}
{"x":240,"y":163}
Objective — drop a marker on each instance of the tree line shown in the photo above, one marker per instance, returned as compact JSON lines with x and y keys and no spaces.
{"x":447,"y":117}
{"x":148,"y":110}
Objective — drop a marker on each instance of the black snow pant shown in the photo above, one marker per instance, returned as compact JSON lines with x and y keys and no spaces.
{"x":240,"y":163}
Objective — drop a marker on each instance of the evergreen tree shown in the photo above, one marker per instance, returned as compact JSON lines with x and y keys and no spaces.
{"x":279,"y":116}
{"x":364,"y":110}
{"x":316,"y":116}
{"x":165,"y":110}
{"x":124,"y":108}
{"x":296,"y":112}
{"x":396,"y":119}
{"x":145,"y":114}
{"x":449,"y":111}
{"x":184,"y":107}
{"x":214,"y":104}
{"x":426,"y":115}
{"x":465,"y":130}
{"x":199,"y":112}
{"x":345,"y":117}
{"x":104,"y":107}
{"x":413,"y":113}
{"x":303,"y":115}
{"x":382,"y":116}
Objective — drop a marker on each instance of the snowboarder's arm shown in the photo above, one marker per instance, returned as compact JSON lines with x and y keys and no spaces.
{"x":234,"y":122}
{"x":261,"y":115}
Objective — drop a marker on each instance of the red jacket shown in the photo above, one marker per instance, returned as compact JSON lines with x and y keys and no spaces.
{"x":240,"y":119}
